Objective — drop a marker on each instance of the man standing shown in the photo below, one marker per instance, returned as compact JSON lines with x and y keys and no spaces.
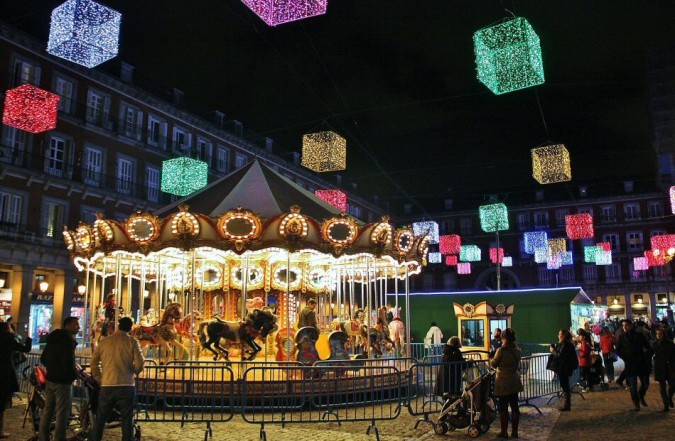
{"x":635,"y":351}
{"x":59,"y":359}
{"x":116,"y":360}
{"x":308,"y":315}
{"x":496,"y":341}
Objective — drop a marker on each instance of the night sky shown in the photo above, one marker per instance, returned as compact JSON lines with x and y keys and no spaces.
{"x":397,"y":79}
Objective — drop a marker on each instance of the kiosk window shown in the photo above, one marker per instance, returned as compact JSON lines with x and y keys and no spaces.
{"x":497,"y":323}
{"x":473,"y":333}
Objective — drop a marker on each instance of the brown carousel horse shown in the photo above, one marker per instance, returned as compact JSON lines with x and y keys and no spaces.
{"x":184,"y":328}
{"x":352,"y":327}
{"x":164,"y":334}
{"x":258,"y":324}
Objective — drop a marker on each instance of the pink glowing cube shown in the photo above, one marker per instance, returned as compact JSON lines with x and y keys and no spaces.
{"x":449,"y":244}
{"x":640,"y":263}
{"x":30,"y":108}
{"x":464,"y":268}
{"x":579,"y":226}
{"x":276,"y":12}
{"x":334,"y":197}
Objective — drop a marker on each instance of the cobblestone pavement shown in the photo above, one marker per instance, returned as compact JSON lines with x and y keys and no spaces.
{"x":602,"y":415}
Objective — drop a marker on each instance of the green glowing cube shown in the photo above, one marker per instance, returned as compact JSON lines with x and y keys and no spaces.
{"x":183,"y":176}
{"x":494,"y":217}
{"x":469,"y":253}
{"x":508,"y":56}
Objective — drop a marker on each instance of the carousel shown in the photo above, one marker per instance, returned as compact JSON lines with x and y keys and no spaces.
{"x":234,"y":283}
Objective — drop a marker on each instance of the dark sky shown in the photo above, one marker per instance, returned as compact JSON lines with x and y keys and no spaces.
{"x":397,"y":79}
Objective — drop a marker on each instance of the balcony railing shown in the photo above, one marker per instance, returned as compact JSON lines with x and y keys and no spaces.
{"x":37,"y":236}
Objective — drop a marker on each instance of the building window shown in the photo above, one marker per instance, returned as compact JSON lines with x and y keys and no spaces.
{"x":25,"y":72}
{"x":613,"y":273}
{"x":125,"y":173}
{"x":152,"y":183}
{"x":523,"y":220}
{"x":608,"y":214}
{"x":466,"y":226}
{"x":661,"y":272}
{"x":240,"y":161}
{"x":631,"y":212}
{"x":65,"y":88}
{"x":53,"y":217}
{"x":560,"y":216}
{"x":590,"y":273}
{"x":656,"y":233}
{"x":131,"y":122}
{"x":544,"y":276}
{"x":205,"y":150}
{"x":157,"y":130}
{"x":655,"y":209}
{"x":10,"y":207}
{"x":55,"y":158}
{"x":541,"y":219}
{"x":223,"y":160}
{"x":355,"y":211}
{"x":98,"y":109}
{"x":93,"y":166}
{"x":613,"y":239}
{"x":636,"y":276}
{"x":182,"y":141}
{"x":13,"y":147}
{"x":634,"y":240}
{"x":88,"y":214}
{"x":586,"y":210}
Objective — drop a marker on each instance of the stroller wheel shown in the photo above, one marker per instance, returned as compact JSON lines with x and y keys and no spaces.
{"x":474,"y":431}
{"x":441,"y":428}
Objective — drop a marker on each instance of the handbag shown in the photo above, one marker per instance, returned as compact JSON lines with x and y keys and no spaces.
{"x":552,"y":363}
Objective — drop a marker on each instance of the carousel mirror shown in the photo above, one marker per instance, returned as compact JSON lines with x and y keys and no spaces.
{"x":218,"y":306}
{"x":141,"y":229}
{"x":339,"y":232}
{"x":255,"y":275}
{"x":239,"y":227}
{"x":281,"y":276}
{"x":318,"y":278}
{"x":405,"y":242}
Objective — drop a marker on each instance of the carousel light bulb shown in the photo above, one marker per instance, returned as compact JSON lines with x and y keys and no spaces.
{"x":469,"y":253}
{"x":494,"y":217}
{"x":449,"y":244}
{"x":464,"y":268}
{"x":508,"y":261}
{"x":534,"y":240}
{"x":276,"y":12}
{"x":451,"y":260}
{"x":551,"y":164}
{"x":427,"y":228}
{"x":183,"y":176}
{"x":334,"y":197}
{"x":579,"y":226}
{"x":30,"y":108}
{"x":324,"y":152}
{"x":496,"y":256}
{"x":663,"y":242}
{"x":640,"y":263}
{"x":84,"y":32}
{"x":434,"y":257}
{"x":557,"y":246}
{"x":508,"y":56}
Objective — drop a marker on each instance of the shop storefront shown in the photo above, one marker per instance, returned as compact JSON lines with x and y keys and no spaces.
{"x":5,"y":303}
{"x":41,"y":312}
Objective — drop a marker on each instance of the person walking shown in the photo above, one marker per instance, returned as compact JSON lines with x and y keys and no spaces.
{"x":115,"y":362}
{"x":9,"y":383}
{"x":434,"y":337}
{"x":608,"y":352}
{"x":58,"y":357}
{"x":564,"y":362}
{"x":508,"y":383}
{"x":635,"y":351}
{"x":449,"y":377}
{"x":308,"y":315}
{"x":664,"y":367}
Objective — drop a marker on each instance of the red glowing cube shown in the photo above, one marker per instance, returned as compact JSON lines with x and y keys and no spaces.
{"x":494,"y":255}
{"x":449,"y":244}
{"x":334,"y":197}
{"x":579,"y":226}
{"x":30,"y":108}
{"x":663,"y":242}
{"x":655,"y":257}
{"x":451,"y":260}
{"x":606,"y":246}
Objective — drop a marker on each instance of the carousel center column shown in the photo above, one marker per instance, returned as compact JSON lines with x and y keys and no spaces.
{"x":22,"y":287}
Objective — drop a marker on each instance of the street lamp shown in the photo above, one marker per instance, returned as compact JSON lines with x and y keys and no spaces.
{"x":44,"y":286}
{"x":81,"y":289}
{"x":2,"y":283}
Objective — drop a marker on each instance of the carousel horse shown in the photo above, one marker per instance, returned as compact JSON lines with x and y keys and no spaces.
{"x":184,"y":326}
{"x":352,"y":327}
{"x":377,"y":338}
{"x":258,"y":324}
{"x":164,"y":334}
{"x":397,"y":334}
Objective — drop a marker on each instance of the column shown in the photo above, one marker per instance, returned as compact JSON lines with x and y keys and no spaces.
{"x":629,"y":306}
{"x":64,"y":284}
{"x":22,"y":286}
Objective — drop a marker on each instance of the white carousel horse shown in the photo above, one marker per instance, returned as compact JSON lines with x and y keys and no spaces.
{"x":164,"y":334}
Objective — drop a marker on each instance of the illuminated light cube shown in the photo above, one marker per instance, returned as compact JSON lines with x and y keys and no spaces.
{"x":603,"y":257}
{"x":534,"y":240}
{"x":605,"y":246}
{"x":551,"y":164}
{"x":672,"y":199}
{"x":663,"y":242}
{"x":334,"y":197}
{"x":464,"y":268}
{"x":451,"y":260}
{"x":640,"y":263}
{"x":590,"y":253}
{"x":566,"y":258}
{"x":508,"y":261}
{"x":30,"y":108}
{"x":324,"y":152}
{"x":469,"y":253}
{"x":508,"y":56}
{"x":84,"y":32}
{"x":434,"y":257}
{"x":494,"y":217}
{"x":553,"y":262}
{"x":655,"y":257}
{"x":579,"y":226}
{"x":276,"y":12}
{"x":183,"y":176}
{"x":541,"y":254}
{"x":426,"y":228}
{"x":449,"y":244}
{"x":496,"y":257}
{"x":557,"y":246}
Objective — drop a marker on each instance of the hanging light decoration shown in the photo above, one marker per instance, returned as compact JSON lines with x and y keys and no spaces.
{"x":508,"y":56}
{"x":557,"y":245}
{"x":426,"y":228}
{"x":534,"y":240}
{"x":603,"y":257}
{"x":276,"y":12}
{"x":663,"y":242}
{"x":183,"y":176}
{"x":469,"y":253}
{"x":324,"y":152}
{"x":334,"y":197}
{"x":566,"y":258}
{"x":494,"y":217}
{"x":606,"y":246}
{"x":435,"y":257}
{"x":672,"y":199}
{"x":655,"y":257}
{"x":464,"y":268}
{"x":640,"y":264}
{"x":551,"y":164}
{"x":541,"y":254}
{"x":579,"y":226}
{"x":451,"y":260}
{"x":508,"y":261}
{"x":449,"y":244}
{"x":590,"y":252}
{"x":496,"y":256}
{"x":84,"y":32}
{"x":30,"y":108}
{"x":553,"y":262}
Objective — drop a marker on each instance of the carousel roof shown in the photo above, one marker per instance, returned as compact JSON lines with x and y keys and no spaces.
{"x":258,"y":188}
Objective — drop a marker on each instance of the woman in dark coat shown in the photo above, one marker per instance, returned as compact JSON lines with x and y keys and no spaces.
{"x":9,"y":383}
{"x":564,"y":362}
{"x":449,"y":379}
{"x":508,"y":383}
{"x":664,"y":367}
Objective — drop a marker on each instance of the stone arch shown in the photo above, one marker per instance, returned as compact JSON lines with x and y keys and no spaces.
{"x":487,"y":280}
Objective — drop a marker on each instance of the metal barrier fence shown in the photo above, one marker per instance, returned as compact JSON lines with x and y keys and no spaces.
{"x":420,"y":350}
{"x":533,"y":348}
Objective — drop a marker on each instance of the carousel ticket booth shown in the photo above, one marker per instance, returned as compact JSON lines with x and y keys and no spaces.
{"x":477,"y":323}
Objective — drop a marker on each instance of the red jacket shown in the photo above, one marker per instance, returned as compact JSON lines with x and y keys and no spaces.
{"x":584,"y":354}
{"x":607,"y":343}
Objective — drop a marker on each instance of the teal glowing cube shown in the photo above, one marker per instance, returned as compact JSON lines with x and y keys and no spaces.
{"x":184,"y":176}
{"x":591,"y":252}
{"x":494,"y":217}
{"x":508,"y":56}
{"x":469,"y":253}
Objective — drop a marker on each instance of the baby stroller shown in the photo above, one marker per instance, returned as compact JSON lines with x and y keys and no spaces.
{"x":474,"y":409}
{"x":36,"y":398}
{"x":596,"y":374}
{"x":90,"y":408}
